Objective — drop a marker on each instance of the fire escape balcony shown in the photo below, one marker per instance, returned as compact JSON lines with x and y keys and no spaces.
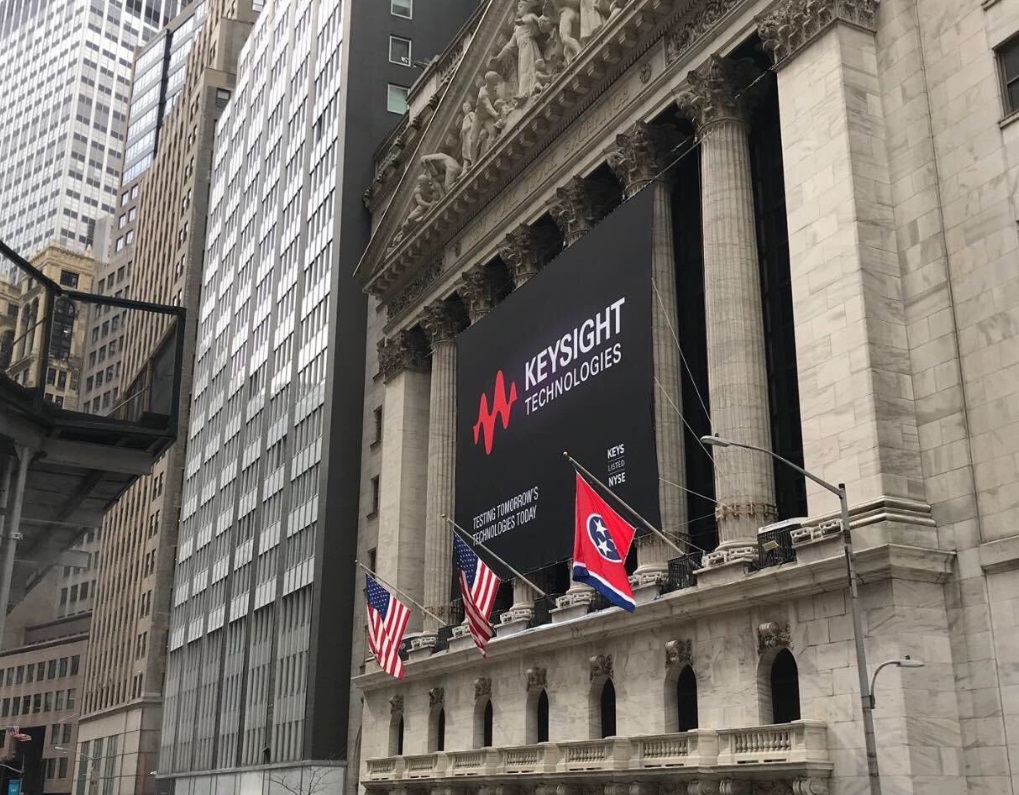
{"x":794,"y":754}
{"x":64,"y":463}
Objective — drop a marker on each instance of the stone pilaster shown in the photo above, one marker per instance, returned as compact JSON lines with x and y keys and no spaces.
{"x":525,"y":252}
{"x":478,"y":291}
{"x":441,"y":324}
{"x":737,"y":376}
{"x":794,"y":24}
{"x":403,"y":363}
{"x":400,"y":353}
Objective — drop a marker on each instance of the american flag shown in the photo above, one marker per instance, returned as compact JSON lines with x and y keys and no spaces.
{"x":20,"y":736}
{"x":478,"y":585}
{"x":387,"y":621}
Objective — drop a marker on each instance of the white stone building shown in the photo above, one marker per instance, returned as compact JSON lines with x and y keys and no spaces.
{"x":836,"y":256}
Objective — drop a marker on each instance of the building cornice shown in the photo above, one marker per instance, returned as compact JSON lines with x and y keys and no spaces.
{"x":614,"y":48}
{"x":768,"y":586}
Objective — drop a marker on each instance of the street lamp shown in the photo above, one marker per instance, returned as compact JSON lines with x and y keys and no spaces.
{"x":905,"y":662}
{"x":93,"y":782}
{"x":866,"y":697}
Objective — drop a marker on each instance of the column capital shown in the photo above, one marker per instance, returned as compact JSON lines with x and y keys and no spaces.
{"x":718,"y":91}
{"x":401,"y":352}
{"x":478,"y":290}
{"x":795,"y":23}
{"x":525,"y":251}
{"x":573,"y":209}
{"x":441,"y":322}
{"x":640,"y":153}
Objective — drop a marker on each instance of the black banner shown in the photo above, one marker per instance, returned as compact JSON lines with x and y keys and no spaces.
{"x":564,"y":363}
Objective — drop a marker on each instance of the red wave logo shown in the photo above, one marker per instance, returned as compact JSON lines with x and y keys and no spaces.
{"x":501,"y":405}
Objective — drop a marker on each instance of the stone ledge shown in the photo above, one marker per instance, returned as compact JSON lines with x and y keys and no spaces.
{"x":1001,"y":555}
{"x":772,"y":585}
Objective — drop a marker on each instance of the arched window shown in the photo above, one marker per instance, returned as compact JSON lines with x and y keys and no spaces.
{"x":542,"y":717}
{"x":785,"y":688}
{"x":686,"y":700}
{"x":483,"y":718}
{"x":396,"y":734}
{"x":437,"y":729}
{"x":608,"y":709}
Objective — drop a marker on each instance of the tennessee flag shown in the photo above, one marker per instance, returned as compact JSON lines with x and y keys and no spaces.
{"x":600,"y":547}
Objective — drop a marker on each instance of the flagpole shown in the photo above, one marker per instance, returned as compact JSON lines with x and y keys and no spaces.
{"x":420,"y":607}
{"x":622,"y":502}
{"x":457,"y":528}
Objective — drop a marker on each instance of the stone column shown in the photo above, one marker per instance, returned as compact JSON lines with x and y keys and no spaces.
{"x":441,"y":324}
{"x":522,"y":255}
{"x":737,"y":376}
{"x":403,"y":364}
{"x":573,"y":210}
{"x":638,"y":159}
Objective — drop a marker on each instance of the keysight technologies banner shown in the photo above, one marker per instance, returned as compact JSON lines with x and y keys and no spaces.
{"x":565,"y":363}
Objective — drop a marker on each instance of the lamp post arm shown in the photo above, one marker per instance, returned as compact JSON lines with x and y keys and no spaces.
{"x":809,"y":475}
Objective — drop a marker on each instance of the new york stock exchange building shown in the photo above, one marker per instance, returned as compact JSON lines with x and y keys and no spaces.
{"x":615,"y":228}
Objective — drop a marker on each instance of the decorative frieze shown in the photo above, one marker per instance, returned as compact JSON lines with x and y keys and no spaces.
{"x":678,"y":653}
{"x":699,"y":23}
{"x":414,"y":289}
{"x":401,"y":352}
{"x":537,"y":680}
{"x":601,"y":666}
{"x":641,"y":153}
{"x":718,"y":91}
{"x":482,"y":687}
{"x":794,"y":24}
{"x":772,"y":635}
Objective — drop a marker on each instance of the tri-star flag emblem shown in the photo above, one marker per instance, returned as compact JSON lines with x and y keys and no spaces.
{"x":601,"y":538}
{"x":601,"y":543}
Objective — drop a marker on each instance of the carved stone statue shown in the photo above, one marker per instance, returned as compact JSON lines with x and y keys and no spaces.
{"x":443,"y":169}
{"x":488,"y":115}
{"x":569,"y":27}
{"x":524,"y":44}
{"x":469,"y":136}
{"x":591,"y":18}
{"x":424,"y":197}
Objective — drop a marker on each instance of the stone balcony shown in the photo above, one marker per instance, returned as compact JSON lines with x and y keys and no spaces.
{"x":793,"y":755}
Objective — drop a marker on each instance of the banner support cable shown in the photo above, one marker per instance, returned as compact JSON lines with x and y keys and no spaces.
{"x":622,"y":502}
{"x":466,"y":536}
{"x":420,"y":607}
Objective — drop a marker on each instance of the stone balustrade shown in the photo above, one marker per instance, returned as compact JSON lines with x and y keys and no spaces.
{"x":800,"y":743}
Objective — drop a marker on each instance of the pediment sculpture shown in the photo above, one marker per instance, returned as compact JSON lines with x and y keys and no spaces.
{"x":540,"y":40}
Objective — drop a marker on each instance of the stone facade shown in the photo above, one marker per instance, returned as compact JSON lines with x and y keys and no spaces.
{"x":900,"y":210}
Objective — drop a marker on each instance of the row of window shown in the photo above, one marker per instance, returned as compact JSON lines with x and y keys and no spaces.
{"x":51,"y":669}
{"x":778,"y":690}
{"x":53,"y":701}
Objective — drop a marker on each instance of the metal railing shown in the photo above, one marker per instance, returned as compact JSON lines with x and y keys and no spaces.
{"x":51,"y":342}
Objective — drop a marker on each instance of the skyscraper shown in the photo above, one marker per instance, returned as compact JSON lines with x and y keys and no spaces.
{"x":65,"y":69}
{"x":121,"y":691}
{"x":156,"y":82}
{"x":260,"y":628}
